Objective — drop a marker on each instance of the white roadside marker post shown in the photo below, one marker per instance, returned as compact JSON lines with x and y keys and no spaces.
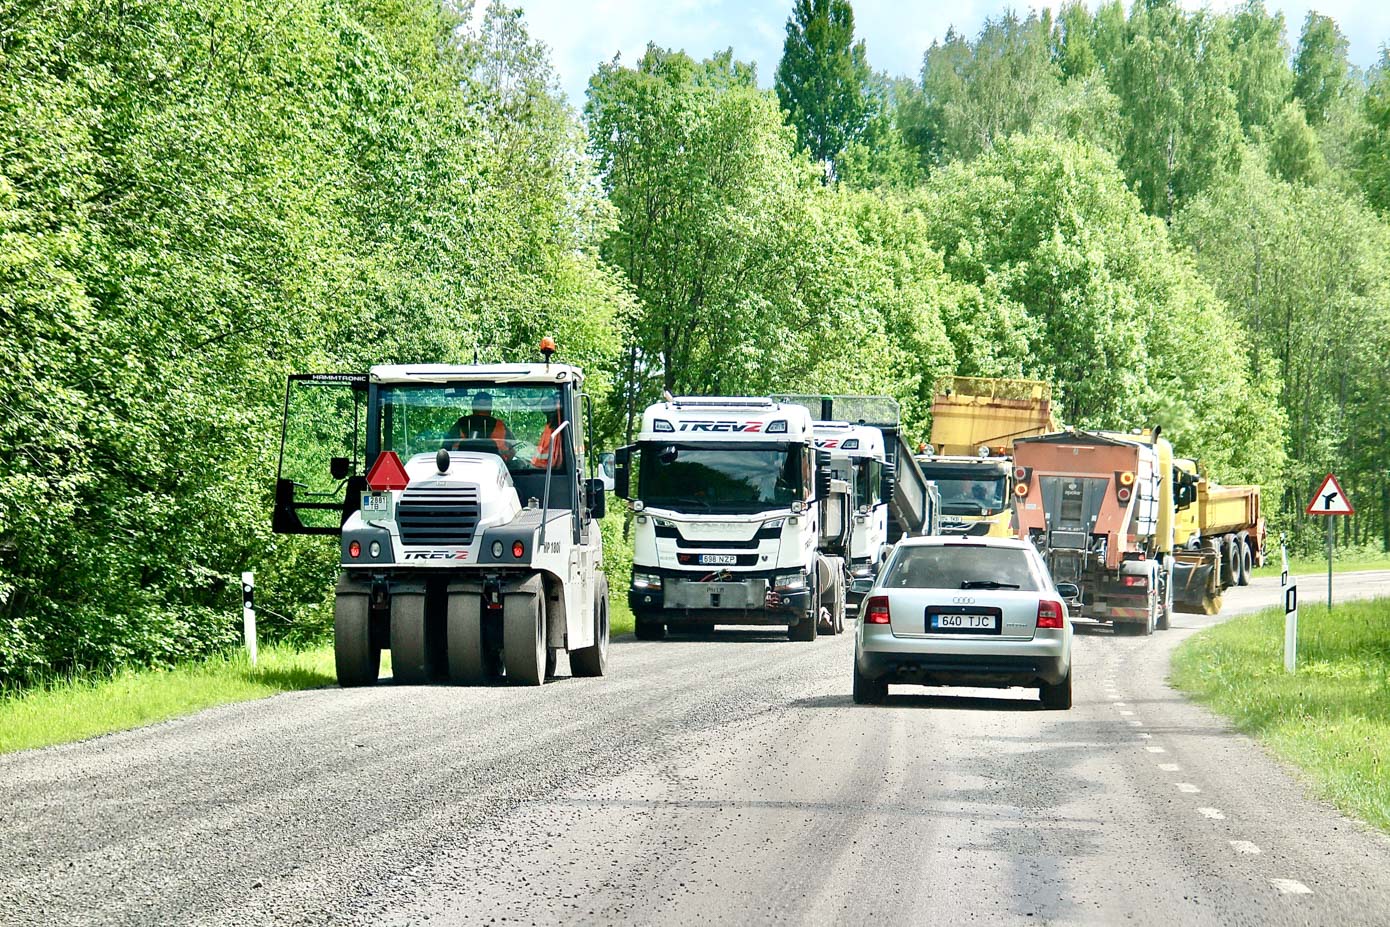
{"x":1290,"y":612}
{"x":248,"y":614}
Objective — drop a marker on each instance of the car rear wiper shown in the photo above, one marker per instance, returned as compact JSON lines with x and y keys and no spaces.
{"x":986,"y":584}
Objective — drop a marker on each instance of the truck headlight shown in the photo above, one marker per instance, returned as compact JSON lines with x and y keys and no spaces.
{"x":646,"y":581}
{"x":790,"y":581}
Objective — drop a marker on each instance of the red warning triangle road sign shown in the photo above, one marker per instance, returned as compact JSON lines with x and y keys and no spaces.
{"x":387,"y":473}
{"x":1330,"y":500}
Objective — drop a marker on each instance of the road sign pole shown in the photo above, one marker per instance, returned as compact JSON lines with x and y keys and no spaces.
{"x":1331,"y":535}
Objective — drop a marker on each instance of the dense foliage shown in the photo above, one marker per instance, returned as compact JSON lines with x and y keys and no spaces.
{"x":1176,"y":217}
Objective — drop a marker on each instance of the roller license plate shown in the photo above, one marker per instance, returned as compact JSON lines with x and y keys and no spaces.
{"x":718,"y":559}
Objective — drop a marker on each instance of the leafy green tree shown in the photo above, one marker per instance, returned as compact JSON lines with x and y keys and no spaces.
{"x":977,"y":94}
{"x":1261,"y":77}
{"x":1173,"y":81}
{"x":1320,"y":67}
{"x":1294,"y":151}
{"x":1373,"y":147}
{"x":1072,"y":41}
{"x":822,"y":77}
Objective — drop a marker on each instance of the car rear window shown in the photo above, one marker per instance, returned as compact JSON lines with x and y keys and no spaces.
{"x":963,"y":567}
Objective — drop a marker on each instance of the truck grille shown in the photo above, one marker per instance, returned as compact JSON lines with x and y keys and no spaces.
{"x":438,"y":516}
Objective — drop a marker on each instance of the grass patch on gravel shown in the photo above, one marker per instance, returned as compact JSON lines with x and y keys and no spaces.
{"x":1331,"y":719}
{"x":78,"y":708}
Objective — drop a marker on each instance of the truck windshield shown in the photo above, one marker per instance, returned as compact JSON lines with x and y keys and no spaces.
{"x":513,"y":422}
{"x":965,"y":493}
{"x":722,"y":478}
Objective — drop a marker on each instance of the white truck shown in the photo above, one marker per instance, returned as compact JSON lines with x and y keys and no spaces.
{"x":891,"y":498}
{"x":857,"y":457}
{"x":469,"y":542}
{"x":726,"y":494}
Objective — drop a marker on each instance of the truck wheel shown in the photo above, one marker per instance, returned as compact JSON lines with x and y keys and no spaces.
{"x":648,"y":630}
{"x":839,"y":607}
{"x":357,"y":661}
{"x":1247,"y":561}
{"x":806,"y":629}
{"x":410,"y":659}
{"x":593,"y":661}
{"x":1230,"y":562}
{"x":1165,"y":609}
{"x":868,"y":691}
{"x":464,"y":638}
{"x":524,"y":649}
{"x":1058,"y":697}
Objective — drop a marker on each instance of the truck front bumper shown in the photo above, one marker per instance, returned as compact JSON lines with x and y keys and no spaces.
{"x":748,"y":602}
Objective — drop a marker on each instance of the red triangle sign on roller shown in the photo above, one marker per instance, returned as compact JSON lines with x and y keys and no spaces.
{"x":387,"y":473}
{"x":1330,"y":500}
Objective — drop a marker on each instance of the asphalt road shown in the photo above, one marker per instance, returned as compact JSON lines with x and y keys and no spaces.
{"x":719,"y":781}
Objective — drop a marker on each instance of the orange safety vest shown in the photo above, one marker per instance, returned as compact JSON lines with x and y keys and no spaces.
{"x":498,"y":436}
{"x":543,"y":450}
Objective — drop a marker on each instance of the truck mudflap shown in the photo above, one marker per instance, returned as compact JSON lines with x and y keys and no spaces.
{"x":1196,"y":582}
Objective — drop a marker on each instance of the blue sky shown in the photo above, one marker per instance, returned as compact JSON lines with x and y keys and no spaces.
{"x":582,"y":33}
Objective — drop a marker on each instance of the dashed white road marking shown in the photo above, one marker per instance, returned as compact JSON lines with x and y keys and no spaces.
{"x":1146,"y":736}
{"x":1187,"y":787}
{"x":1126,"y":713}
{"x":1244,"y":846}
{"x":1169,"y":767}
{"x":1155,"y":750}
{"x":1214,"y":813}
{"x":1135,"y":723}
{"x":1290,"y":887}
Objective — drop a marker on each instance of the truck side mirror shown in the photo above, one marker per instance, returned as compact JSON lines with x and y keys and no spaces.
{"x":340,"y":468}
{"x":598,"y":502}
{"x":888,"y":482}
{"x":823,"y":474}
{"x":622,"y":460}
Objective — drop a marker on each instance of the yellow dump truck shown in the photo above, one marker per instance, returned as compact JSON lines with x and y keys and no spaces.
{"x":975,"y":421}
{"x":1219,"y":537}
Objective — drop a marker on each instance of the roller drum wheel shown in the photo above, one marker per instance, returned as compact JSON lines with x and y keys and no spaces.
{"x":464,"y":635}
{"x":357,"y":661}
{"x":524,"y":648}
{"x":410,"y":662}
{"x":593,"y":661}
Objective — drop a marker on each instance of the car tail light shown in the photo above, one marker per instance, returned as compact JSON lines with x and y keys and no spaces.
{"x":355,"y":550}
{"x":1136,"y":581}
{"x":518,"y":549}
{"x":1050,"y":613}
{"x":876,"y":611}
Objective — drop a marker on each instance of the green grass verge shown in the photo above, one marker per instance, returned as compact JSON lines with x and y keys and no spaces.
{"x":1331,"y":719}
{"x":620,"y":620}
{"x":74,"y":709}
{"x":1303,"y":565}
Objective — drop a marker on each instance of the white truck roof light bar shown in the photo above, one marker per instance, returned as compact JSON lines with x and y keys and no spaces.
{"x":696,"y":402}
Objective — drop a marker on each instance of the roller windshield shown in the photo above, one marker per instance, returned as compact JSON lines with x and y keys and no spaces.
{"x":513,"y":422}
{"x":742,"y":478}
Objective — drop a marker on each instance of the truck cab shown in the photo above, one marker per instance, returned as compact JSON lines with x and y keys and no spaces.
{"x":858,"y":457}
{"x":726,"y":528}
{"x":976,"y":493}
{"x":467,"y":532}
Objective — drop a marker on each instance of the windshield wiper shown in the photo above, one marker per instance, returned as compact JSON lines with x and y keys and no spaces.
{"x":986,"y":584}
{"x":678,"y":503}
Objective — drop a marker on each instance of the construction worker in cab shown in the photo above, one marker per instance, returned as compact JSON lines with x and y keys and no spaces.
{"x":482,"y":425}
{"x":549,"y":445}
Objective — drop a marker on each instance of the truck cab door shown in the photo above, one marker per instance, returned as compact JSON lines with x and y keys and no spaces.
{"x":319,"y":480}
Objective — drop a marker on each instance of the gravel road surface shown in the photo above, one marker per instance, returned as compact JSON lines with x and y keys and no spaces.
{"x":727,"y":780}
